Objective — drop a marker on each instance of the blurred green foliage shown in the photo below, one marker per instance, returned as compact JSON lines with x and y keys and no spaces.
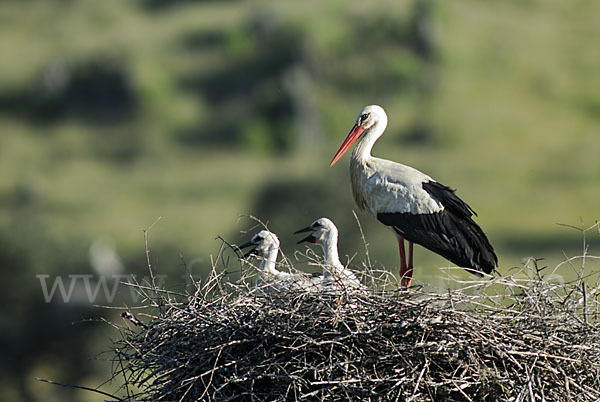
{"x":115,"y":113}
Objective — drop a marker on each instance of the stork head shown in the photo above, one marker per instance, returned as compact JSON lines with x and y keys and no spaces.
{"x":322,"y":230}
{"x":367,"y":118}
{"x":264,"y":242}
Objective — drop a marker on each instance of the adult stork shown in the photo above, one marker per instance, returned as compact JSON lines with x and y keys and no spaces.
{"x":336,"y":277}
{"x":269,"y":278}
{"x":416,"y":207}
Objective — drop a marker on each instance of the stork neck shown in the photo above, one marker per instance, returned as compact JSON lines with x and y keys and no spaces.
{"x":267,"y":266}
{"x":330,"y":252}
{"x":362,"y":151}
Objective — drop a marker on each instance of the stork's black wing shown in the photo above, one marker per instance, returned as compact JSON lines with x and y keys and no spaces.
{"x":451,"y":233}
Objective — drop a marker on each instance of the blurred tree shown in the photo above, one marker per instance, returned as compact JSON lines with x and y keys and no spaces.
{"x":162,"y":5}
{"x":97,"y":91}
{"x":260,"y":92}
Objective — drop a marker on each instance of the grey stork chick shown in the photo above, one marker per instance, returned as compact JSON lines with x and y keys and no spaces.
{"x":413,"y":205}
{"x":269,"y":278}
{"x":336,"y":277}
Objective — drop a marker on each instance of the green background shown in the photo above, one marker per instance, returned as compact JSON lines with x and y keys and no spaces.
{"x":113,"y":113}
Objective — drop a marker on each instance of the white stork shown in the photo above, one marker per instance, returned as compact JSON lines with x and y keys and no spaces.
{"x":269,"y":278}
{"x":412,"y":204}
{"x":336,"y":277}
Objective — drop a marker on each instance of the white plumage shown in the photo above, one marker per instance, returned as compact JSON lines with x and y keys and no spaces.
{"x":386,"y":186}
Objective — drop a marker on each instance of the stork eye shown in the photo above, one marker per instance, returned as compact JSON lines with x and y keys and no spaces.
{"x":364,"y":117}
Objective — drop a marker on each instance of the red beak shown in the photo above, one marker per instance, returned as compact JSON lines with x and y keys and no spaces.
{"x":356,"y":131}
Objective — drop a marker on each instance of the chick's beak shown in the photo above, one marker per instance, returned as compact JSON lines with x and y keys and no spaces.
{"x":250,"y":252}
{"x":309,"y":238}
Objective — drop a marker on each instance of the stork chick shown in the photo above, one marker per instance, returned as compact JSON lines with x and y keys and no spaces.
{"x":336,"y":277}
{"x":269,"y":278}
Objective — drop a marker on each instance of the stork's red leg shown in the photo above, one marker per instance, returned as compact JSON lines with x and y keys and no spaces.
{"x":409,"y":268}
{"x":403,"y":267}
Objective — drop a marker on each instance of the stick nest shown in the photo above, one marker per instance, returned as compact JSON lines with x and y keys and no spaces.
{"x":517,"y":338}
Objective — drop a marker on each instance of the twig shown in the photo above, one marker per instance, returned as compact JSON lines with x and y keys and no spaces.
{"x":149,"y":264}
{"x":79,"y":387}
